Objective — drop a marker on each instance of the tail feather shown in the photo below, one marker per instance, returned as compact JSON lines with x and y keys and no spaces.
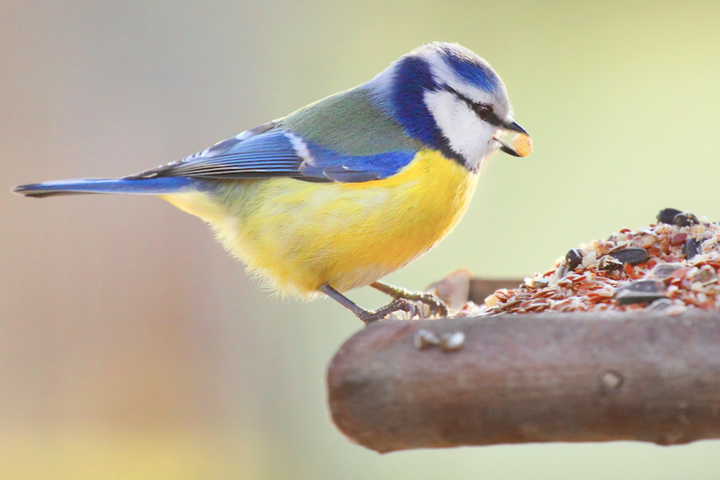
{"x":145,"y":186}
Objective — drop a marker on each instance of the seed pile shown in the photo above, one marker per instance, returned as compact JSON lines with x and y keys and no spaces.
{"x":670,"y":266}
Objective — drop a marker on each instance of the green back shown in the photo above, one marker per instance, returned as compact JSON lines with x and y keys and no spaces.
{"x":350,"y":123}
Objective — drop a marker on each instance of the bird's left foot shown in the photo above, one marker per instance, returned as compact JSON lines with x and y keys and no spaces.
{"x":397,"y":305}
{"x":434,"y":305}
{"x":369,"y":316}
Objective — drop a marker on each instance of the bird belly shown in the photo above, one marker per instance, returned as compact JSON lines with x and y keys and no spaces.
{"x":300,"y":235}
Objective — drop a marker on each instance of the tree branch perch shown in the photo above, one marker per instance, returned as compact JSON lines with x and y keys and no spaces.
{"x":531,"y":378}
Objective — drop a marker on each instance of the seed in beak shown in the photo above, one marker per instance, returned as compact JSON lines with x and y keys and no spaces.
{"x":523,"y":144}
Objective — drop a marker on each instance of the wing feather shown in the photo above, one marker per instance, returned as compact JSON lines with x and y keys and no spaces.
{"x":369,"y":147}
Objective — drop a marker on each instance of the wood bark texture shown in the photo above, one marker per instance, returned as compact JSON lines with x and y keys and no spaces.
{"x":569,"y":377}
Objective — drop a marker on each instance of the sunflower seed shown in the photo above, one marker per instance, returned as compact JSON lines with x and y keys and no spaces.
{"x":685,"y":219}
{"x":666,"y":215}
{"x":691,"y":248}
{"x":633,"y":255}
{"x":642,"y":291}
{"x":574,"y":258}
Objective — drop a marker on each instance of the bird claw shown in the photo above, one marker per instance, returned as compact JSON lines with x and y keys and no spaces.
{"x":397,"y":305}
{"x":434,"y":305}
{"x":430,"y":306}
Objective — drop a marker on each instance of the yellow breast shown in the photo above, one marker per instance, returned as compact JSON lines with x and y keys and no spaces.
{"x":300,"y":235}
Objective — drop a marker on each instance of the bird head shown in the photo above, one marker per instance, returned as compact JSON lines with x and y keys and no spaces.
{"x":449,"y":98}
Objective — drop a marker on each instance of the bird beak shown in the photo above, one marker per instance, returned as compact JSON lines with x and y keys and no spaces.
{"x":506,"y":147}
{"x":515,"y":127}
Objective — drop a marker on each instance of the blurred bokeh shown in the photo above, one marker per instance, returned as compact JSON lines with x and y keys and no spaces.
{"x":133,"y":346}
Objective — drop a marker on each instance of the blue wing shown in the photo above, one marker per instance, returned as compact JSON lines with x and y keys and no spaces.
{"x":264,"y":152}
{"x":270,"y":151}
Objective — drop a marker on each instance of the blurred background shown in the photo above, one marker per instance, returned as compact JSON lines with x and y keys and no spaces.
{"x":133,"y":346}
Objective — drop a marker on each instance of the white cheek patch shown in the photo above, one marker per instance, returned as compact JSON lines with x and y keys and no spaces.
{"x":466,"y":133}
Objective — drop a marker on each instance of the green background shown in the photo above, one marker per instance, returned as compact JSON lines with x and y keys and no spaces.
{"x":133,"y":346}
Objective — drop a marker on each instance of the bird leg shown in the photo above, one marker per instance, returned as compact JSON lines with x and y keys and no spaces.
{"x":437,"y":306}
{"x":369,"y":316}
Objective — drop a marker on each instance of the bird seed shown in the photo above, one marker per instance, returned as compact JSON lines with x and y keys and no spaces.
{"x":670,"y":266}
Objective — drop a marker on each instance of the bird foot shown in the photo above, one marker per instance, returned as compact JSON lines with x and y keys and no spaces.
{"x":397,"y":305}
{"x":434,"y":305}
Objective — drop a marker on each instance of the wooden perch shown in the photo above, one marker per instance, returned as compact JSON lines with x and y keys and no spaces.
{"x":564,"y":377}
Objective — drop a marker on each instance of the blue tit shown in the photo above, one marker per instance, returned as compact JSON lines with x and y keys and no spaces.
{"x":348,"y":189}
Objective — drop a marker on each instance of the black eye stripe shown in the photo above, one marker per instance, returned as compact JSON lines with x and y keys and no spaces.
{"x":479,"y":108}
{"x":482,"y":110}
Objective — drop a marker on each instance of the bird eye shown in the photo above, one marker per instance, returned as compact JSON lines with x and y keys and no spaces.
{"x":482,"y":110}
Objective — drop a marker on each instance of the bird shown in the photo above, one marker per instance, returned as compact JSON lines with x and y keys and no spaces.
{"x":346,"y":190}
